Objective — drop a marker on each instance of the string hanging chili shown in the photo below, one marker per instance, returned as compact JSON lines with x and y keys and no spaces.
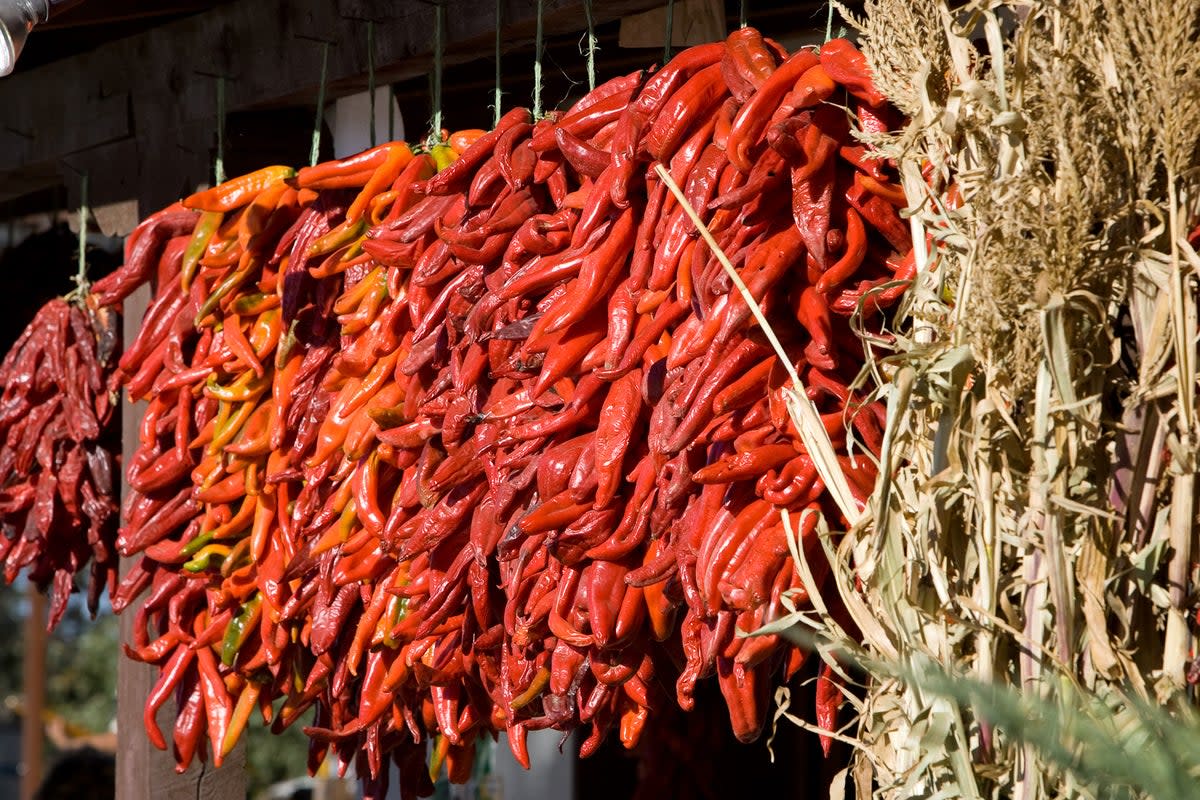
{"x":315,"y":152}
{"x":219,"y":166}
{"x":371,"y":78}
{"x":590,"y":44}
{"x":496,"y":90}
{"x":537,"y":64}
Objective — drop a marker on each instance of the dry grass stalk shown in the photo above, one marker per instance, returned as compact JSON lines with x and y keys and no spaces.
{"x":1028,"y":530}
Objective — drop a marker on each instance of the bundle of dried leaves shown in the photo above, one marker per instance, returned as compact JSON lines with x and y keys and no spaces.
{"x":1031,"y":541}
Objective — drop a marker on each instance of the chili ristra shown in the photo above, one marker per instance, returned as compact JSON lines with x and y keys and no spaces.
{"x":57,"y":436}
{"x":484,"y":439}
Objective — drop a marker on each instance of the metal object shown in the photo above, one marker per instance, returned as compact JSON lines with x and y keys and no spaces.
{"x":17,"y":18}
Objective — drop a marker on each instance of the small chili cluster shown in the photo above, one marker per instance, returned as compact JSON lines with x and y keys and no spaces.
{"x":482,"y":438}
{"x":57,"y":506}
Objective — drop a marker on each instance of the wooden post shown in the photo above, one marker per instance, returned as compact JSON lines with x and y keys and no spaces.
{"x":142,"y":771}
{"x":34,"y":690}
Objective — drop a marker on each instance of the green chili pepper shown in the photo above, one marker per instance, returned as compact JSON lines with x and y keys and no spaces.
{"x":203,"y":559}
{"x":224,"y":432}
{"x":354,"y":250}
{"x":235,"y":279}
{"x":195,"y":544}
{"x":342,"y":234}
{"x":251,"y":305}
{"x":284,"y":351}
{"x":247,"y":387}
{"x":397,"y":610}
{"x":392,"y":417}
{"x":239,"y":629}
{"x":205,"y":228}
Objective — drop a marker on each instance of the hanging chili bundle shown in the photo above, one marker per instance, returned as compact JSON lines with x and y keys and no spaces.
{"x":56,"y":465}
{"x":488,"y":441}
{"x":59,"y":438}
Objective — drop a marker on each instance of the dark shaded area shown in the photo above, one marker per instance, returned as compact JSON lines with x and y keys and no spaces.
{"x":86,"y":25}
{"x":83,"y":774}
{"x":255,"y":139}
{"x":45,"y":201}
{"x":39,"y":268}
{"x":694,"y":755}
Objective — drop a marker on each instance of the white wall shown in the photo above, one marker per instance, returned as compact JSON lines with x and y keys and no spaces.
{"x":349,"y":119}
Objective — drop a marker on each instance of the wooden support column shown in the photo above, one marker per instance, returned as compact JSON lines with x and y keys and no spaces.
{"x":34,"y":694}
{"x":144,"y":772}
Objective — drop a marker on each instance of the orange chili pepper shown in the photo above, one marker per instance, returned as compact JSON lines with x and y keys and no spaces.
{"x":460,"y":140}
{"x":398,"y":156}
{"x":238,"y":192}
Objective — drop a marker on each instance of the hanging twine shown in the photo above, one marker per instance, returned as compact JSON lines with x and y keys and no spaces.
{"x":219,"y":167}
{"x":81,"y":281}
{"x":371,"y":73}
{"x":391,"y":114}
{"x":591,"y":44}
{"x":829,"y":23}
{"x":439,"y":35}
{"x":496,"y":97}
{"x":670,"y":30}
{"x":743,"y":15}
{"x":315,"y":155}
{"x":537,"y":66}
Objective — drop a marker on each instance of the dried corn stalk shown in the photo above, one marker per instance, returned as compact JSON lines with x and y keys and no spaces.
{"x":1034,"y":527}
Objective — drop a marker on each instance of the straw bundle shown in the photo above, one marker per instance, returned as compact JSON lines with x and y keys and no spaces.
{"x":1023,"y":579}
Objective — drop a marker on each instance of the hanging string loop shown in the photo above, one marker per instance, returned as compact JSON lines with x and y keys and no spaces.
{"x":537,"y":64}
{"x":670,"y":30}
{"x":591,"y":44}
{"x":496,"y":96}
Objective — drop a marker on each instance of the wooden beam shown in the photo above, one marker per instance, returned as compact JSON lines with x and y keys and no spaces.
{"x":89,"y":14}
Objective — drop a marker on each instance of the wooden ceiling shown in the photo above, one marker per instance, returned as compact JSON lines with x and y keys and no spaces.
{"x":135,"y":93}
{"x":82,"y":25}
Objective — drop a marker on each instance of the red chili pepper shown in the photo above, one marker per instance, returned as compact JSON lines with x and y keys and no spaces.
{"x":618,"y":419}
{"x":847,"y":65}
{"x":829,"y":697}
{"x":752,"y":120}
{"x":848,"y":264}
{"x":584,"y":158}
{"x":696,"y":100}
{"x":582,"y":119}
{"x":746,"y":63}
{"x":455,"y":175}
{"x":866,"y":197}
{"x":504,"y":153}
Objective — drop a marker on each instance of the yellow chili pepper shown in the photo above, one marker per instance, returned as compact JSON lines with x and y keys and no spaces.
{"x":443,"y":155}
{"x":247,"y":387}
